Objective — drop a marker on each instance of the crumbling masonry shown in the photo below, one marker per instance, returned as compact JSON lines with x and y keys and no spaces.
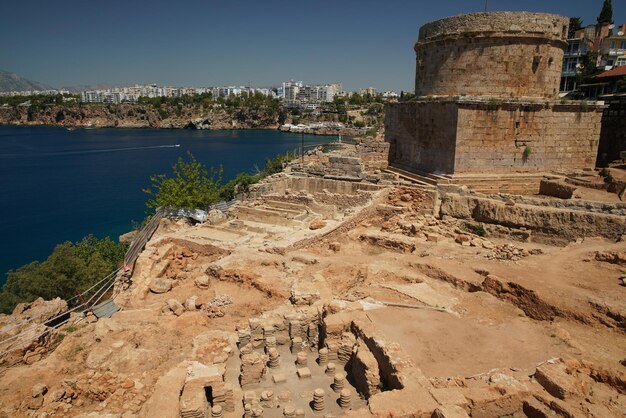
{"x":486,"y":87}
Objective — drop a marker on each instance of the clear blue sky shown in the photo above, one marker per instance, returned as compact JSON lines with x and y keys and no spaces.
{"x":360,"y":43}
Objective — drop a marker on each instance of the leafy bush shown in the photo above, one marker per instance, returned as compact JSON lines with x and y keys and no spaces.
{"x":190,"y":187}
{"x":476,"y":229}
{"x":527,"y":152}
{"x":275,"y":165}
{"x":71,"y":268}
{"x":239,"y":184}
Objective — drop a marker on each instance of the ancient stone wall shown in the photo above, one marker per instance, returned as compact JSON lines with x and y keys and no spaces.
{"x":309,"y":184}
{"x":460,"y":135}
{"x":499,"y":54}
{"x":548,"y":222}
{"x":422,"y":135}
{"x":511,"y":137}
{"x":374,"y":154}
{"x":364,"y":371}
{"x":613,"y":132}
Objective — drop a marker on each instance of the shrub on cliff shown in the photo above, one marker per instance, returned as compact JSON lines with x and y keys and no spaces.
{"x":191,"y":186}
{"x":243,"y":181}
{"x":239,"y":184}
{"x":70,"y":269}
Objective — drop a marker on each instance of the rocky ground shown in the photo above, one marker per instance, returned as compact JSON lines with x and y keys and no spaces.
{"x":426,"y":316}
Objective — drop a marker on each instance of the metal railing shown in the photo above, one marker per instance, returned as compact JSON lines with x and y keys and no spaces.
{"x":138,"y":244}
{"x":225,"y":205}
{"x":86,"y":299}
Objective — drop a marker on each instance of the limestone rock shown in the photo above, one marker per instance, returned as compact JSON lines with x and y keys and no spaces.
{"x":56,"y":395}
{"x":488,"y":245}
{"x":215,"y":217}
{"x":334,"y":246}
{"x":317,"y":224}
{"x":40,"y":310}
{"x":618,"y":258}
{"x":462,"y":238}
{"x":175,"y":306}
{"x":35,"y":403}
{"x":558,"y":382}
{"x":191,"y":303}
{"x":160,"y":285}
{"x":202,"y":281}
{"x":128,"y":237}
{"x":39,"y":389}
{"x":304,"y":259}
{"x":31,"y":358}
{"x":450,"y":411}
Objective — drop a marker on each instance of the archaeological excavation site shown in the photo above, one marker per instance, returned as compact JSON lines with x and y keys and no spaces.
{"x":471,"y":262}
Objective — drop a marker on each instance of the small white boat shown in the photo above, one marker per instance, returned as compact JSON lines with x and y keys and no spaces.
{"x":177,"y":145}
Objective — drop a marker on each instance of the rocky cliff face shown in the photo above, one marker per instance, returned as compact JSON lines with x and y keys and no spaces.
{"x":139,"y":116}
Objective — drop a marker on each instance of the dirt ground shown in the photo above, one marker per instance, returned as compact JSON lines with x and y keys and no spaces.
{"x":459,"y":307}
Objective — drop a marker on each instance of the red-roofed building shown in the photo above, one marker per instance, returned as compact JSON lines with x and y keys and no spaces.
{"x":615,"y":72}
{"x":608,"y":82}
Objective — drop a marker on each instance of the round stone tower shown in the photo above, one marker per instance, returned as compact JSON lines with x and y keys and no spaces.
{"x":500,"y":54}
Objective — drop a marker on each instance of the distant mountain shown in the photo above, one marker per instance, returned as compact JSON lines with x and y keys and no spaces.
{"x":13,"y":82}
{"x":79,"y":88}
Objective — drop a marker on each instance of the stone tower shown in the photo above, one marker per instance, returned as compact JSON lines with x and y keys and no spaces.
{"x":487,"y":101}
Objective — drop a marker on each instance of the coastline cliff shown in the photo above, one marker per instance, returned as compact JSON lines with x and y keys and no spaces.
{"x":139,"y":116}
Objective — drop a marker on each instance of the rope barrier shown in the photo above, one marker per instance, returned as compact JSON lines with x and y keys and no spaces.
{"x":106,"y":284}
{"x":6,"y":331}
{"x":54,"y":318}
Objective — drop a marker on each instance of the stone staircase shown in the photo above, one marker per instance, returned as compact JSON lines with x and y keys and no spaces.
{"x":424,"y":180}
{"x":522,"y":184}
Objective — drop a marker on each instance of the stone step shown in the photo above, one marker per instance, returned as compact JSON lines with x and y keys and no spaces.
{"x":266,"y":216}
{"x":286,"y":205}
{"x":418,"y":178}
{"x":412,"y":178}
{"x":431,"y":178}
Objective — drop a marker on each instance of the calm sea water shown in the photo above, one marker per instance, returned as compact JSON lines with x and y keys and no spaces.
{"x":58,"y":185}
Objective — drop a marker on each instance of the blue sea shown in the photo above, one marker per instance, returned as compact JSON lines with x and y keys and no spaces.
{"x":58,"y":185}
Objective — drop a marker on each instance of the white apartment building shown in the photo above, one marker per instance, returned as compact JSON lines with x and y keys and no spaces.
{"x":308,"y":96}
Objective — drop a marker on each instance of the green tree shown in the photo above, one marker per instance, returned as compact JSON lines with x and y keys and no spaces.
{"x":192,"y":186}
{"x":70,"y":269}
{"x":606,"y":15}
{"x":575,"y":23}
{"x":239,"y":184}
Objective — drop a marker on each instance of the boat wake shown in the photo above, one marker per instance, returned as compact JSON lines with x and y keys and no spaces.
{"x":93,"y":151}
{"x":117,"y":149}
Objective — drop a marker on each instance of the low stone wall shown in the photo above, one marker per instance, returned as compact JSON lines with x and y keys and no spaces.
{"x":374,"y":154}
{"x":545,"y":222}
{"x":556,"y":189}
{"x":617,"y":209}
{"x":282,"y":183}
{"x":364,"y":371}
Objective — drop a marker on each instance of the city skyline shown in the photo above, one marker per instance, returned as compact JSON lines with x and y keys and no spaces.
{"x":360,"y":44}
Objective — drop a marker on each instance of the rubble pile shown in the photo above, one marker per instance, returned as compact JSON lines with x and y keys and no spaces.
{"x":510,"y":252}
